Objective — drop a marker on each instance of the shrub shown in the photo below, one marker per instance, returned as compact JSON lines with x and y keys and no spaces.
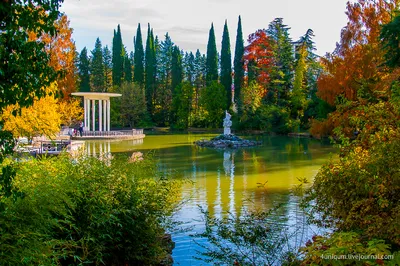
{"x":87,"y":211}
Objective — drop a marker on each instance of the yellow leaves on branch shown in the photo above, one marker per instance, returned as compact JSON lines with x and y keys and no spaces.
{"x":44,"y":117}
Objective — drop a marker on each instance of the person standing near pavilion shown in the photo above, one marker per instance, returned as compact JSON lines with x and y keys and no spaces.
{"x":80,"y":128}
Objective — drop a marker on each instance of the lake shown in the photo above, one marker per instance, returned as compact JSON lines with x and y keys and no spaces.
{"x":226,"y":181}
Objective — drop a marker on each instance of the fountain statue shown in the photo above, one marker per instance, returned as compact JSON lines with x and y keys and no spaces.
{"x":227,"y":123}
{"x":227,"y":140}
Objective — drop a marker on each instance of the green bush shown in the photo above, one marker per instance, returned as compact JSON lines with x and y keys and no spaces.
{"x":88,"y":211}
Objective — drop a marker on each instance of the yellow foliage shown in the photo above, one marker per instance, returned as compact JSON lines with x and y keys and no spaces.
{"x":44,"y":117}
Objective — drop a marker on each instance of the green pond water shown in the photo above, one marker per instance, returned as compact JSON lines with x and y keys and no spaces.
{"x":226,"y":181}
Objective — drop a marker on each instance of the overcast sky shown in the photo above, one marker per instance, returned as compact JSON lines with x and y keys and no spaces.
{"x":188,"y":21}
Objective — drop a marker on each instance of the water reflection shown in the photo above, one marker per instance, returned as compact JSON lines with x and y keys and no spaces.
{"x":228,"y":181}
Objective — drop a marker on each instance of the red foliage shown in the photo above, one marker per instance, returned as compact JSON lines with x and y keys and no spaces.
{"x":260,"y":53}
{"x":358,"y":59}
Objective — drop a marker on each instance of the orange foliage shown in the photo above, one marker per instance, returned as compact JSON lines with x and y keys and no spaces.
{"x":321,"y":129}
{"x":358,"y":59}
{"x":62,"y":55}
{"x":260,"y":53}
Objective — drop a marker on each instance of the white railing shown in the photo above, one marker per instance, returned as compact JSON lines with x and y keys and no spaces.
{"x":132,"y":132}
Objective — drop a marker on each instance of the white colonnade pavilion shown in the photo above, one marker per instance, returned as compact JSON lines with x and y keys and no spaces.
{"x":97,"y":106}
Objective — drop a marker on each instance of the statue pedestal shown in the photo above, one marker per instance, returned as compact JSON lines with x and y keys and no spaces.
{"x":227,"y":131}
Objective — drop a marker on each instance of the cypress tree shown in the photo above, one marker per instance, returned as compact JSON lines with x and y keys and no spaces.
{"x":226,"y":65}
{"x":117,"y":58}
{"x":238,"y":66}
{"x":138,"y":60}
{"x":127,"y":69}
{"x":107,"y":62}
{"x":83,"y":66}
{"x":97,"y":68}
{"x":149,"y":65}
{"x":212,"y":58}
{"x":176,"y":68}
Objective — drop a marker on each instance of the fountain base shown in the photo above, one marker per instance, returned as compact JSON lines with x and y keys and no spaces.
{"x":229,"y":141}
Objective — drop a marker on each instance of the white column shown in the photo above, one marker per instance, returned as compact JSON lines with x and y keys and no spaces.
{"x":100,"y":115}
{"x":88,"y":114}
{"x":84,"y":112}
{"x":108,"y":115}
{"x":105,"y":115}
{"x":94,"y":115}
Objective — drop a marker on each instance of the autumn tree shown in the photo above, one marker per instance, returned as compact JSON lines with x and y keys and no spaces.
{"x":355,"y":68}
{"x":44,"y":117}
{"x":258,"y":58}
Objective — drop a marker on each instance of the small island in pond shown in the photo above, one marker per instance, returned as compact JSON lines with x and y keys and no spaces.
{"x":227,"y":140}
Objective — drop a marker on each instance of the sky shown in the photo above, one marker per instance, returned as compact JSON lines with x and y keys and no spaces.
{"x":188,"y":21}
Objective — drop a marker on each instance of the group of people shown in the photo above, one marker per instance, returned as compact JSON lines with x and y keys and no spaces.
{"x":73,"y":132}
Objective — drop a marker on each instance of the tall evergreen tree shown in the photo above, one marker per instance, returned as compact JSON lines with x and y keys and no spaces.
{"x":150,"y":67}
{"x":212,"y":57}
{"x":282,"y":73}
{"x":176,"y":68}
{"x":97,"y":76}
{"x":117,"y":57}
{"x":84,"y":77}
{"x":127,"y":69}
{"x":238,"y":66}
{"x":138,"y":61}
{"x":226,"y":65}
{"x":189,"y":67}
{"x":107,"y":62}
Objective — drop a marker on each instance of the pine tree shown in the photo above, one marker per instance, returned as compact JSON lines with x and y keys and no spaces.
{"x":176,"y":68}
{"x":282,"y":73}
{"x":150,"y":67}
{"x":138,"y":75}
{"x":212,"y":57}
{"x":226,"y":65}
{"x":127,"y":69}
{"x":239,"y":67}
{"x":117,"y":57}
{"x":189,"y":67}
{"x":84,"y":77}
{"x":107,"y":62}
{"x":97,"y":76}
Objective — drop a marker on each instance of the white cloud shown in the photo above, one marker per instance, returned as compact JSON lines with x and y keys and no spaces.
{"x":188,"y":21}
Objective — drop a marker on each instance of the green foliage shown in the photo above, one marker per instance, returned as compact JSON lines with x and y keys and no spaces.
{"x":138,"y":61}
{"x":176,"y":68}
{"x":132,"y":104}
{"x":214,"y":106}
{"x":226,"y":65}
{"x":87,"y":211}
{"x":117,"y":58}
{"x":182,"y":105}
{"x":23,"y":60}
{"x":150,"y":70}
{"x":360,"y":192}
{"x":298,"y":95}
{"x":84,"y":65}
{"x":239,"y":66}
{"x":347,"y":249}
{"x":390,"y":37}
{"x":97,"y":68}
{"x":212,"y":58}
{"x":107,"y":62}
